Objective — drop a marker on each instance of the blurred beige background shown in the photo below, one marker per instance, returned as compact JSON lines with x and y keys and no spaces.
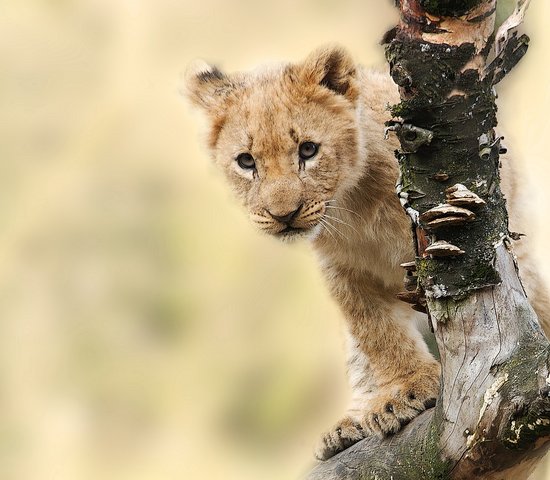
{"x":146,"y":330}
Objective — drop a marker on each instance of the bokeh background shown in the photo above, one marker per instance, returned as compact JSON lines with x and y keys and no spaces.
{"x":146,"y":330}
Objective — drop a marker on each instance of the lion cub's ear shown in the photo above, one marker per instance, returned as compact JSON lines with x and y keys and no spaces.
{"x":206,"y":86}
{"x":331,"y":67}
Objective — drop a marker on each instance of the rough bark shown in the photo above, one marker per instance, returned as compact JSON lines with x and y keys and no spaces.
{"x":492,"y":419}
{"x":493,"y":416}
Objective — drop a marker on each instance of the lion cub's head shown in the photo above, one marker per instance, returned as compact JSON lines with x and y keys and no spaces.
{"x":286,"y":137}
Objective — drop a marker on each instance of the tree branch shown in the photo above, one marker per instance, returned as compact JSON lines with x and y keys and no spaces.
{"x":494,"y":413}
{"x":492,"y":419}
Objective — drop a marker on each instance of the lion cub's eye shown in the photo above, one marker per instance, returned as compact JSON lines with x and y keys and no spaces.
{"x":308,"y":150}
{"x":246,"y":161}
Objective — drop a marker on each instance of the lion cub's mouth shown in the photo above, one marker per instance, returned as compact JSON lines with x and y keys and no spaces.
{"x":303,"y":222}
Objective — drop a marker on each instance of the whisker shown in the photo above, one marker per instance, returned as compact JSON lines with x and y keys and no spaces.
{"x":324,"y":225}
{"x":337,"y":207}
{"x":343,"y":223}
{"x":329,"y":226}
{"x":334,"y":228}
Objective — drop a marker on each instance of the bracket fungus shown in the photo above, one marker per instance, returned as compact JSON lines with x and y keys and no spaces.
{"x":416,"y":298}
{"x":442,"y":248}
{"x":446,"y":215}
{"x":409,"y":266}
{"x":410,"y":297}
{"x":459,"y":196}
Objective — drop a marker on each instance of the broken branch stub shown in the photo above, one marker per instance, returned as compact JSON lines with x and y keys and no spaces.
{"x":512,"y":52}
{"x":410,"y":137}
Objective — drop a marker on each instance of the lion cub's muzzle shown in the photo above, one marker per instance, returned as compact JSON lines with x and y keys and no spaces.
{"x":287,"y":218}
{"x":291,"y":223}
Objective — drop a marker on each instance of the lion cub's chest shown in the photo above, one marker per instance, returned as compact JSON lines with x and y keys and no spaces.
{"x":376,"y":257}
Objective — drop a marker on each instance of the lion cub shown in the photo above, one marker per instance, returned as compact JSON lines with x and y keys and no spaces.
{"x":303,"y":147}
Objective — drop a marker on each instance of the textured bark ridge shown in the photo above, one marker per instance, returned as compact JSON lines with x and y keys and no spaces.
{"x":492,"y":419}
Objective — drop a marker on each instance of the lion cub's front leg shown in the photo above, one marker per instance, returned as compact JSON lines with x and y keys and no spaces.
{"x":392,"y":374}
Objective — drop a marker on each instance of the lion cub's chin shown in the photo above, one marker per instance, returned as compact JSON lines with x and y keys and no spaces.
{"x":291,"y":234}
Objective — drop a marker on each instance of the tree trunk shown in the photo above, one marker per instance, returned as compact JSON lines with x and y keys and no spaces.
{"x":492,"y":419}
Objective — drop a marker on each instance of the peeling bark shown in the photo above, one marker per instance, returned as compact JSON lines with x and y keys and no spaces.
{"x":492,"y":419}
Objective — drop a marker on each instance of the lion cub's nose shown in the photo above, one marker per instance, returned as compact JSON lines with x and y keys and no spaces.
{"x":288,"y":217}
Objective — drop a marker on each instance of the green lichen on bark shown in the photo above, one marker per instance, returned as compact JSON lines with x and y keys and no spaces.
{"x":419,"y":458}
{"x":459,"y":108}
{"x":530,"y":420}
{"x":527,"y":428}
{"x":425,"y":460}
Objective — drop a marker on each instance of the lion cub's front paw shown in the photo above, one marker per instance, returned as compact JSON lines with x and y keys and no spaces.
{"x":397,"y":404}
{"x":394,"y":406}
{"x":343,"y":435}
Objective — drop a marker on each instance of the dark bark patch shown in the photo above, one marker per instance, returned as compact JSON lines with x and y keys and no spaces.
{"x":449,"y":8}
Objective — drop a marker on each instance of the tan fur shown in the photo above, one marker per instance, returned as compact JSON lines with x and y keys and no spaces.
{"x":347,"y":207}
